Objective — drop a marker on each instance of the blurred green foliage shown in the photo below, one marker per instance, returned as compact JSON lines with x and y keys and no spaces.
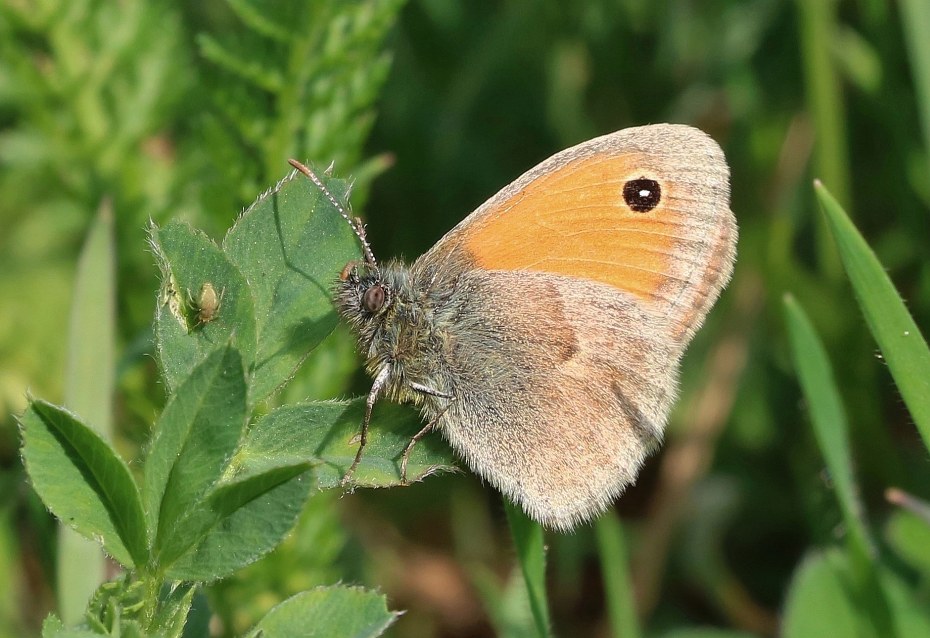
{"x":189,"y":110}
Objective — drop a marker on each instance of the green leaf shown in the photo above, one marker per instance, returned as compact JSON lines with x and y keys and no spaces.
{"x":116,"y":605}
{"x":197,"y":623}
{"x":831,"y":427}
{"x":194,"y":439}
{"x":188,"y":260}
{"x":240,"y":521}
{"x":820,"y":602}
{"x":706,"y":632}
{"x":328,"y":612}
{"x":52,"y":627}
{"x":909,"y":608}
{"x":506,"y":601}
{"x":325,"y":433}
{"x":818,"y":24}
{"x":83,"y":482}
{"x":291,"y":245}
{"x":174,"y":605}
{"x":265,"y":487}
{"x":531,"y":551}
{"x":91,"y":345}
{"x":909,"y":535}
{"x":618,"y":586}
{"x":832,"y":432}
{"x":901,"y":343}
{"x":92,"y":328}
{"x":915,"y":23}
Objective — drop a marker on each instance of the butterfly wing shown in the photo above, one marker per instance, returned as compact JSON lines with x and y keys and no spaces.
{"x":573,"y":293}
{"x":672,"y":249}
{"x":556,"y":401}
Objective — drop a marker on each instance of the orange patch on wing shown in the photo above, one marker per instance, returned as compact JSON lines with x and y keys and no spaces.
{"x":574,"y":222}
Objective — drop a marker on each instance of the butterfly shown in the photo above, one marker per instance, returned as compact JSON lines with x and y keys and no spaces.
{"x":542,"y":335}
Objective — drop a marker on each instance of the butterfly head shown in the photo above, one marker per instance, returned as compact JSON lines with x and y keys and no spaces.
{"x":362,"y":293}
{"x":368,"y":297}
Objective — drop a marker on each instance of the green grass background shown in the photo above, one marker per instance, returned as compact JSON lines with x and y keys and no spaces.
{"x":169,"y":110}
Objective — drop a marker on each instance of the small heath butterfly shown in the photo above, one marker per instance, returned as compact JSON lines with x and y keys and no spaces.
{"x":542,"y":335}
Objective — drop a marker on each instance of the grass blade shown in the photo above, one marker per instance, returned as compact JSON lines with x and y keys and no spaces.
{"x":831,"y":429}
{"x":531,"y":551}
{"x":901,"y":343}
{"x":618,"y":587}
{"x":817,"y":23}
{"x":828,"y":418}
{"x":88,"y":389}
{"x":915,"y":21}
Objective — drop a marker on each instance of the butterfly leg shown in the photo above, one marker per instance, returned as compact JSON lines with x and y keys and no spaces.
{"x":376,"y":388}
{"x":416,"y":438}
{"x":423,"y":389}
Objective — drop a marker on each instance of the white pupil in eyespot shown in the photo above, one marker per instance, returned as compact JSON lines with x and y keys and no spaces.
{"x":645,"y":193}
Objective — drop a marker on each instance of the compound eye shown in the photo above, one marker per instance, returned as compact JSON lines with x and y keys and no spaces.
{"x":373,"y":299}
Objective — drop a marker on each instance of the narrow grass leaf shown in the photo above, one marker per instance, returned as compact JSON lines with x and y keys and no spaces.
{"x":528,"y":540}
{"x":831,"y":430}
{"x":818,"y":24}
{"x":89,"y":385}
{"x":506,"y":602}
{"x":618,"y":588}
{"x":291,"y":245}
{"x":330,"y":612}
{"x":828,"y":417}
{"x":83,"y":482}
{"x":901,"y":343}
{"x":10,"y":556}
{"x":915,"y":21}
{"x":194,"y":439}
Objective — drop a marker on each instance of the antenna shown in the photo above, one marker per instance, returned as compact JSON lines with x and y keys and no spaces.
{"x":354,"y":222}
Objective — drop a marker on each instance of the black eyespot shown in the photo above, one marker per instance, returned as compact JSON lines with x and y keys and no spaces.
{"x":373,"y":298}
{"x":642,"y":195}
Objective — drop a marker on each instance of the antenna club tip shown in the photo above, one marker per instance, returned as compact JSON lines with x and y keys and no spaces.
{"x":300,"y":167}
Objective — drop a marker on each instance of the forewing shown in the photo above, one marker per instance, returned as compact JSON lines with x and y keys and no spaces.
{"x":570,"y":216}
